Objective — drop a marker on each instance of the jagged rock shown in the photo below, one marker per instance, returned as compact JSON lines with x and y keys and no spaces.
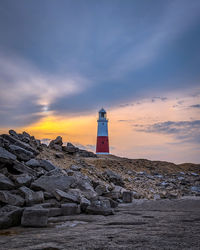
{"x":101,"y":189}
{"x":75,"y":168}
{"x":61,"y":195}
{"x":59,"y":155}
{"x":21,"y":153}
{"x":127,"y":197}
{"x":32,"y":197}
{"x":6,"y":157}
{"x":70,"y":208}
{"x":20,"y":168}
{"x":35,"y":163}
{"x":84,"y":203}
{"x":35,"y":217}
{"x":56,"y":171}
{"x":23,"y":180}
{"x":70,"y":148}
{"x":20,"y":144}
{"x":11,"y":199}
{"x":51,"y":183}
{"x":13,"y":133}
{"x":85,"y":153}
{"x":10,"y":216}
{"x":56,"y":144}
{"x":6,"y":183}
{"x":113,"y":177}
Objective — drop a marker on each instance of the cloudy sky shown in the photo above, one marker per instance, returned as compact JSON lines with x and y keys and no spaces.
{"x":61,"y":61}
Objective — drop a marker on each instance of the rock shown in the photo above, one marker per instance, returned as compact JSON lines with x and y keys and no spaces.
{"x":70,"y":208}
{"x":195,"y":189}
{"x":100,"y":210}
{"x":48,"y":195}
{"x":6,"y":157}
{"x":45,"y":164}
{"x":84,"y":203}
{"x":194,"y":174}
{"x":75,"y":168}
{"x":56,"y":144}
{"x":101,"y":189}
{"x":59,"y":155}
{"x":127,"y":197}
{"x":23,"y":180}
{"x":32,"y":197}
{"x":113,"y":177}
{"x":55,"y":211}
{"x":11,"y":199}
{"x":56,"y":171}
{"x":48,"y":165}
{"x":21,"y":153}
{"x":70,"y":148}
{"x":20,"y":168}
{"x":61,"y":195}
{"x":10,"y":216}
{"x":51,"y":183}
{"x":13,"y":133}
{"x":85,"y":153}
{"x":6,"y":183}
{"x":20,"y":144}
{"x":35,"y":217}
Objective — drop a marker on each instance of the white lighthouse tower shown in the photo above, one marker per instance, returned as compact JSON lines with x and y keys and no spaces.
{"x":102,"y":146}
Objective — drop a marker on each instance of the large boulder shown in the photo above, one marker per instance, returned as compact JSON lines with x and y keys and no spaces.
{"x":63,"y":196}
{"x":45,"y":164}
{"x":7,"y":197}
{"x":35,"y":217}
{"x":10,"y":216}
{"x":51,"y":183}
{"x":21,"y":153}
{"x":32,"y":197}
{"x":6,"y":157}
{"x":6,"y":183}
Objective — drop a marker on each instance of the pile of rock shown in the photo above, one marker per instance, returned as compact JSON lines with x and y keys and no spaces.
{"x":57,"y":145}
{"x":32,"y":189}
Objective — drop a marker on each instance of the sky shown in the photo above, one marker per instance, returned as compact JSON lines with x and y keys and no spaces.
{"x":61,"y":61}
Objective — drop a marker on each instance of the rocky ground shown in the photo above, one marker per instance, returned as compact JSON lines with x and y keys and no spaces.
{"x":45,"y":186}
{"x":143,"y":224}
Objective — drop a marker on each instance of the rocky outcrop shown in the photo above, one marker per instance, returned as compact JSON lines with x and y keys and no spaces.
{"x":33,"y":187}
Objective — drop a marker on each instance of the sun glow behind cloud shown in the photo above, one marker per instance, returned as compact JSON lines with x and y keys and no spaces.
{"x":125,"y":133}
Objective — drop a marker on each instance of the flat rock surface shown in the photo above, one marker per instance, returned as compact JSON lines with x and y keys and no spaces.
{"x":143,"y":224}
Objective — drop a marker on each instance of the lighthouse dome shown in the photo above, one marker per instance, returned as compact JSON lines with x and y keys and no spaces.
{"x":102,"y":111}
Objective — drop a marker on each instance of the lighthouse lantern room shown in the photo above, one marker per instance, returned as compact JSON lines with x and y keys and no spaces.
{"x":102,"y":133}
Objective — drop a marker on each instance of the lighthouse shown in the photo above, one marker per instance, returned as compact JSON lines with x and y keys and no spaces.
{"x":102,"y":133}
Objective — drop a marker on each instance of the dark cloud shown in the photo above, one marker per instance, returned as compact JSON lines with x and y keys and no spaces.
{"x":122,"y":56}
{"x":185,"y":131}
{"x":195,"y":106}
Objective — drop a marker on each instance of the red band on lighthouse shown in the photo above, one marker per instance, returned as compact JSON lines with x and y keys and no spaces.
{"x":102,"y":146}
